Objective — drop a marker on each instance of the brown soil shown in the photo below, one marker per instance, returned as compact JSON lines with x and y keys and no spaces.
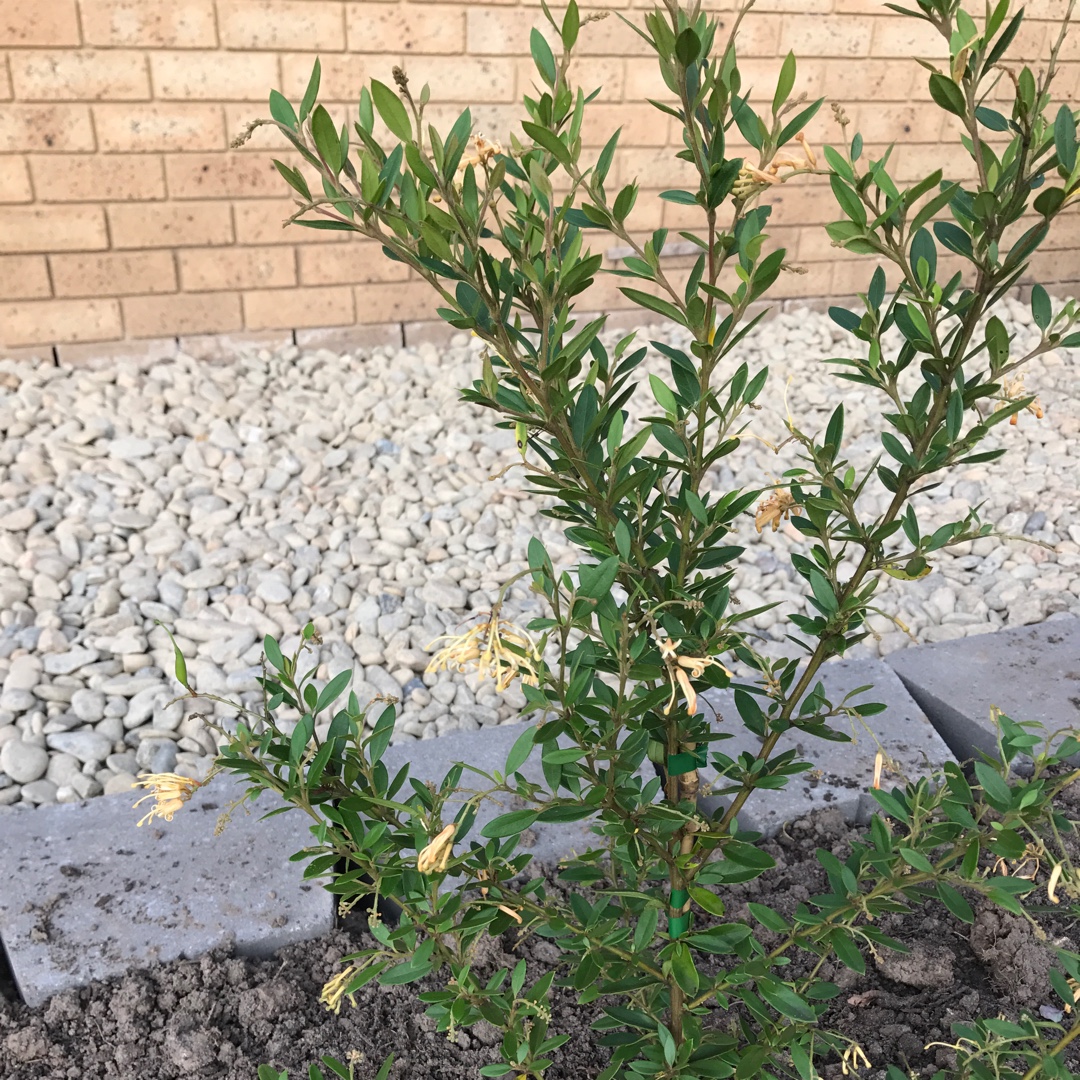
{"x":220,"y":1017}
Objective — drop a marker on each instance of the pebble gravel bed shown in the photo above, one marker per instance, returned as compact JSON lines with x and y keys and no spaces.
{"x":230,"y":501}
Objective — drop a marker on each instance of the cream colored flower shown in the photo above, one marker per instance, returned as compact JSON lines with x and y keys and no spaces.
{"x":496,"y":647}
{"x":751,"y":179}
{"x":171,"y":792}
{"x":436,"y":856}
{"x":502,"y":907}
{"x":678,"y":666}
{"x":780,"y":505}
{"x":811,"y":158}
{"x":1011,"y":390}
{"x":1051,"y":885}
{"x":853,"y":1059}
{"x":483,"y":151}
{"x":334,"y":990}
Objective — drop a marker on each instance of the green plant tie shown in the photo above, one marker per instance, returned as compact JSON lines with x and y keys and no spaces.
{"x":678,"y":924}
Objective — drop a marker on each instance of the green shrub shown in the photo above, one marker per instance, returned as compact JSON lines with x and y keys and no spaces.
{"x":645,"y":621}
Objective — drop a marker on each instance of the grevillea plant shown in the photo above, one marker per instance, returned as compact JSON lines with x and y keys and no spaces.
{"x":646,"y":620}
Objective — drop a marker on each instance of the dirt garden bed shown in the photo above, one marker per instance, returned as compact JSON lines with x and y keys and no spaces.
{"x":220,"y":1016}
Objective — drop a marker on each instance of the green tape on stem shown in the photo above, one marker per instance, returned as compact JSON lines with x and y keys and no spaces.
{"x":678,"y":924}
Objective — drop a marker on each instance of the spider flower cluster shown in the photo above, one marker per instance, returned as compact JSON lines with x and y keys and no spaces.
{"x":494,"y":648}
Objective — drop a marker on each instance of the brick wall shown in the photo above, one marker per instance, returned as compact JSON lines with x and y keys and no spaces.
{"x":124,"y":215}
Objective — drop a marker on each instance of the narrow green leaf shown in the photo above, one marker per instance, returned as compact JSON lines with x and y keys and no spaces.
{"x":324,"y":132}
{"x":706,"y":900}
{"x":282,"y":111}
{"x":847,"y":951}
{"x":1065,"y":138}
{"x":549,"y":141}
{"x":1041,"y":311}
{"x":542,"y":56}
{"x":947,"y":94}
{"x":571,"y":24}
{"x":998,"y":793}
{"x":785,"y":82}
{"x":785,"y":1001}
{"x":594,"y":582}
{"x":391,"y":110}
{"x":520,"y":751}
{"x":663,"y":394}
{"x":654,"y":303}
{"x":312,"y":91}
{"x":512,"y":824}
{"x":955,"y":902}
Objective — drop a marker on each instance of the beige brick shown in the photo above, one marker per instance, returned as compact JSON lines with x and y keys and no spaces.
{"x":655,"y":169}
{"x":50,"y":322}
{"x":406,"y":301}
{"x":282,"y":24}
{"x":432,"y":332}
{"x":644,"y":81}
{"x":647,"y":215}
{"x":494,"y":121}
{"x":350,"y":338}
{"x":898,"y":35}
{"x":838,"y":35}
{"x":45,"y":128}
{"x":795,"y":7}
{"x":405,"y":28}
{"x":24,"y":277}
{"x":213,"y":76}
{"x":903,"y":124}
{"x":265,"y":138}
{"x":26,"y":23}
{"x":37,"y":356}
{"x":641,"y":125}
{"x":268,"y":309}
{"x":202,"y":176}
{"x":212,"y":269}
{"x":342,"y":76}
{"x":466,"y":79}
{"x":158,"y":225}
{"x":94,"y":177}
{"x":1034,"y":41}
{"x":5,"y":79}
{"x":606,"y":73}
{"x":852,"y":274}
{"x":224,"y":347}
{"x":86,"y":75}
{"x":181,"y":313}
{"x":759,"y":35}
{"x":259,"y":221}
{"x":815,"y":244}
{"x":502,"y":31}
{"x":869,"y":78}
{"x":14,"y":180}
{"x":170,"y":127}
{"x":800,"y":203}
{"x":912,"y":163}
{"x":347,"y":264}
{"x":157,"y":24}
{"x":145,"y":353}
{"x":53,"y":228}
{"x":759,"y":77}
{"x":113,"y":273}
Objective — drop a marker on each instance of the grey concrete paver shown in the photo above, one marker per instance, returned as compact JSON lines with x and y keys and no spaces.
{"x":1030,"y":673}
{"x":845,"y":771}
{"x":86,"y":895}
